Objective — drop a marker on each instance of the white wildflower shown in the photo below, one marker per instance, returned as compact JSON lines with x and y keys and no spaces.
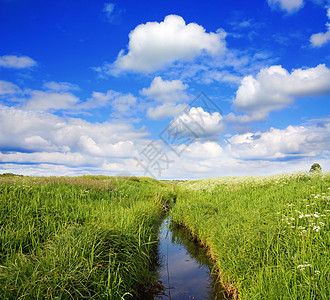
{"x":302,"y":267}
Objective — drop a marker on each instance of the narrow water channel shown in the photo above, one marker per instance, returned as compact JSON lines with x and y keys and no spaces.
{"x":185,"y":270}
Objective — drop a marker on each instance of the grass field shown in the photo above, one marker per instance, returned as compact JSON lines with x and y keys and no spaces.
{"x":72,"y":238}
{"x":95,"y":237}
{"x":269,"y":236}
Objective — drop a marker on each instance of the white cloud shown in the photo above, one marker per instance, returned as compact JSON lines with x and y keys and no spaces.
{"x":203,"y":151}
{"x":220,"y":76}
{"x":60,"y":86}
{"x":166,"y":90}
{"x":165,"y":110}
{"x":275,"y":88}
{"x":8,"y":88}
{"x":57,"y":96}
{"x":98,"y":99}
{"x":319,"y":39}
{"x":198,"y":124}
{"x":287,"y":5}
{"x":51,"y":158}
{"x":44,"y":132}
{"x":276,"y":143}
{"x":169,"y":93}
{"x":36,"y":143}
{"x":122,"y":104}
{"x":154,"y":45}
{"x":112,"y":12}
{"x":108,"y":8}
{"x":45,"y":101}
{"x":16,"y":62}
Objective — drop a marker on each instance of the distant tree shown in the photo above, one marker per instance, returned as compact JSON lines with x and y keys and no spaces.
{"x":315,"y":168}
{"x":10,"y":174}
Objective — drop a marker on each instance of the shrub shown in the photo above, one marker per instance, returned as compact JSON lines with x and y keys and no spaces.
{"x":315,"y":168}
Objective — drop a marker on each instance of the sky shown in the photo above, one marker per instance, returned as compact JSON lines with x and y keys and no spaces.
{"x":166,"y":89}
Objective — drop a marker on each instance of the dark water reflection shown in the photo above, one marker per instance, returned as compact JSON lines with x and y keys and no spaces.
{"x":185,"y":270}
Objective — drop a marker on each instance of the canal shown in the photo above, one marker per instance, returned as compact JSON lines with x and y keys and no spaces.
{"x":184,"y":269}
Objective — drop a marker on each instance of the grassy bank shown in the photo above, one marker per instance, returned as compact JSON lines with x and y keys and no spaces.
{"x":73,"y":238}
{"x":269,"y":236}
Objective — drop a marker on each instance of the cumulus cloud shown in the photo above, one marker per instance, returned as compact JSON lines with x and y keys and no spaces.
{"x":8,"y":88}
{"x":45,"y":101}
{"x":203,"y":151}
{"x":39,"y":143}
{"x":154,"y":45}
{"x":293,"y":141}
{"x":25,"y":131}
{"x":122,"y":104}
{"x":287,"y":5}
{"x":275,"y":88}
{"x":166,"y":90}
{"x":165,"y":110}
{"x":319,"y":39}
{"x":220,"y":76}
{"x":198,"y":124}
{"x":58,"y":96}
{"x":16,"y":62}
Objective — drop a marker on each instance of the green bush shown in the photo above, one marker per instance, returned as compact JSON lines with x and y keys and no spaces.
{"x":315,"y":168}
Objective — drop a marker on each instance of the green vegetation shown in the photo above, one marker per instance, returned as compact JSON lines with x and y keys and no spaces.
{"x":269,"y":236}
{"x":95,"y":237}
{"x":72,"y":238}
{"x":315,"y":168}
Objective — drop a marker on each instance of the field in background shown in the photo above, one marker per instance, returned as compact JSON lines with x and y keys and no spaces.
{"x":269,"y":236}
{"x":72,"y":238}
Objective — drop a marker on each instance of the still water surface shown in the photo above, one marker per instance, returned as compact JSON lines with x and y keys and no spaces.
{"x":185,"y":270}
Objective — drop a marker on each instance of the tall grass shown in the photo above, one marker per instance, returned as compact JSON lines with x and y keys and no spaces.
{"x":73,"y":238}
{"x":269,"y":236}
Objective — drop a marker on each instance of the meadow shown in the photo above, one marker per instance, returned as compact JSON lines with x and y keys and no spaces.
{"x":268,"y":236}
{"x":95,"y":237}
{"x":89,"y":237}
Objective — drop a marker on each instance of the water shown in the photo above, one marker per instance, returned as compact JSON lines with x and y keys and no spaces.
{"x":185,"y":270}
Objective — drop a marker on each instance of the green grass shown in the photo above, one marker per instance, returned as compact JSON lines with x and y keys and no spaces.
{"x":269,"y":236}
{"x":73,"y":238}
{"x":95,"y":237}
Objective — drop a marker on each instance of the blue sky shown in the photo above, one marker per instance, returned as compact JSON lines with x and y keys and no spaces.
{"x":168,"y":90}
